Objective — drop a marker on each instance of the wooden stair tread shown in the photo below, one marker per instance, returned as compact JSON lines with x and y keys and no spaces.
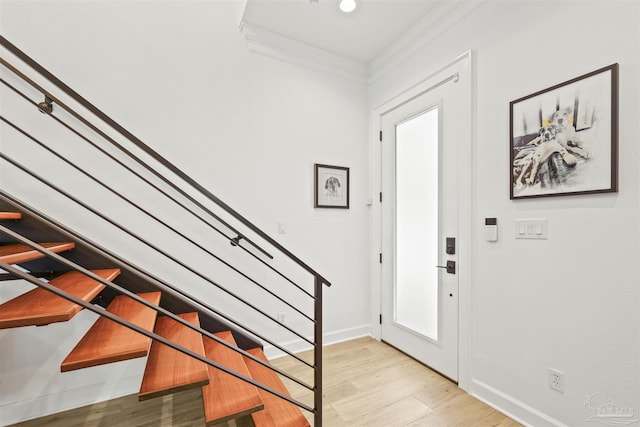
{"x":10,"y":215}
{"x":40,"y":307}
{"x":108,"y":341}
{"x":16,"y":253}
{"x":227,"y":397}
{"x":168,"y":370}
{"x":277,"y":412}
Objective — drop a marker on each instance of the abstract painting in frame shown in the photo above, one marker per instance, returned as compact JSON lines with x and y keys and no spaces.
{"x":564,"y":139}
{"x":331,"y":187}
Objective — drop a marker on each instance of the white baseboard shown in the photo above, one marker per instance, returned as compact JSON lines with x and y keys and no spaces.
{"x":510,"y":406}
{"x":296,"y":346}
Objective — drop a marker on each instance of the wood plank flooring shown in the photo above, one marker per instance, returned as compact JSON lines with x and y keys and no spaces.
{"x":371,"y":384}
{"x":366,"y":383}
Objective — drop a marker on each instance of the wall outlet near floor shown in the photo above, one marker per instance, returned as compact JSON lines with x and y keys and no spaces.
{"x":556,"y":380}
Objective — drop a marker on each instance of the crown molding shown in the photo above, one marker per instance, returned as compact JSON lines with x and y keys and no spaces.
{"x":442,"y":17}
{"x":268,"y":43}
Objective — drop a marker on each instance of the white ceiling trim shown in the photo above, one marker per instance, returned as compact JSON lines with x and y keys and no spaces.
{"x":445,"y":15}
{"x":277,"y":46}
{"x":274,"y":45}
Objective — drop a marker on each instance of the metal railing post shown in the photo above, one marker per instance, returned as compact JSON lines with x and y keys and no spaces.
{"x":317,"y":354}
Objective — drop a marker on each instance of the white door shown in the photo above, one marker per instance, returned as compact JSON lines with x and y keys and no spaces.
{"x":420,"y":151}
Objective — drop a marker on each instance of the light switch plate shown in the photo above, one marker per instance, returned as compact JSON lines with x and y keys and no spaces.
{"x":282,"y":228}
{"x":535,"y":228}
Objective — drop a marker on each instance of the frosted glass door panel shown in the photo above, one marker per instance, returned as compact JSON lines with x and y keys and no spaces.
{"x":417,"y":195}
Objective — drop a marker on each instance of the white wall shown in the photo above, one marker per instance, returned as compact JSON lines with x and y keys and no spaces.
{"x":180,"y":77}
{"x":570,"y":302}
{"x":557,"y":303}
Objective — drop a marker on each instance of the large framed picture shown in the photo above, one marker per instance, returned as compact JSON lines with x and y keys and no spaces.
{"x":331,"y":187}
{"x":564,"y":139}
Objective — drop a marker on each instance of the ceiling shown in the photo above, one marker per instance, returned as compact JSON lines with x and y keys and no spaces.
{"x":359,"y":36}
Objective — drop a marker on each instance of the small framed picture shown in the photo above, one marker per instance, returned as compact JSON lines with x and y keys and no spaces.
{"x":564,"y":139}
{"x":331,"y":187}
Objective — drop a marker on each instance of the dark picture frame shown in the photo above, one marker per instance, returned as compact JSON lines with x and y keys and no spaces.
{"x":564,"y":139}
{"x":331,"y":186}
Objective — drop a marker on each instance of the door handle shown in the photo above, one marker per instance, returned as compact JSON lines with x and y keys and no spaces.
{"x":450,"y":267}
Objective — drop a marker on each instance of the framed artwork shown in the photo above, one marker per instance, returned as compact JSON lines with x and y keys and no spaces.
{"x":564,"y":139}
{"x":331,"y":187}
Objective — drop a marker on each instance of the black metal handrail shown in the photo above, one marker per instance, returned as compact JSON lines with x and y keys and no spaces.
{"x":235,"y":241}
{"x":47,"y":107}
{"x":155,"y":155}
{"x":234,"y":236}
{"x":150,"y":215}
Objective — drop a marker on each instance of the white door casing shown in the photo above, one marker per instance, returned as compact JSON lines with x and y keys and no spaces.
{"x":448,"y":90}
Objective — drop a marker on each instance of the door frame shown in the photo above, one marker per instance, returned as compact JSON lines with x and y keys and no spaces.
{"x":465,"y":204}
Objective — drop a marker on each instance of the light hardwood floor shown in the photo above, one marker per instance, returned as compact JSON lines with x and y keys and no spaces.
{"x":366,"y":383}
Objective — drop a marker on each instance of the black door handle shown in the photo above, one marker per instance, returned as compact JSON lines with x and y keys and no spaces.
{"x":450,"y":267}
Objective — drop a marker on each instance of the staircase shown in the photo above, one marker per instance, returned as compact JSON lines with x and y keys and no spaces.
{"x":225,"y":397}
{"x":188,"y":343}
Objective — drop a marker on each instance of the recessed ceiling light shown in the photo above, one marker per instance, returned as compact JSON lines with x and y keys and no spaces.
{"x":347,"y":6}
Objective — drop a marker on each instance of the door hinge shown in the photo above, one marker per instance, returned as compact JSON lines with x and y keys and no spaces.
{"x":380,"y":257}
{"x":381,"y":319}
{"x":381,"y":197}
{"x":380,"y":136}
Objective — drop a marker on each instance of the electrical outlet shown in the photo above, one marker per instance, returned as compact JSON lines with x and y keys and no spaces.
{"x":281,"y":318}
{"x":556,"y":380}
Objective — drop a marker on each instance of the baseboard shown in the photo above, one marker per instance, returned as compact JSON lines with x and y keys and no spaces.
{"x":299,"y":345}
{"x":511,"y":407}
